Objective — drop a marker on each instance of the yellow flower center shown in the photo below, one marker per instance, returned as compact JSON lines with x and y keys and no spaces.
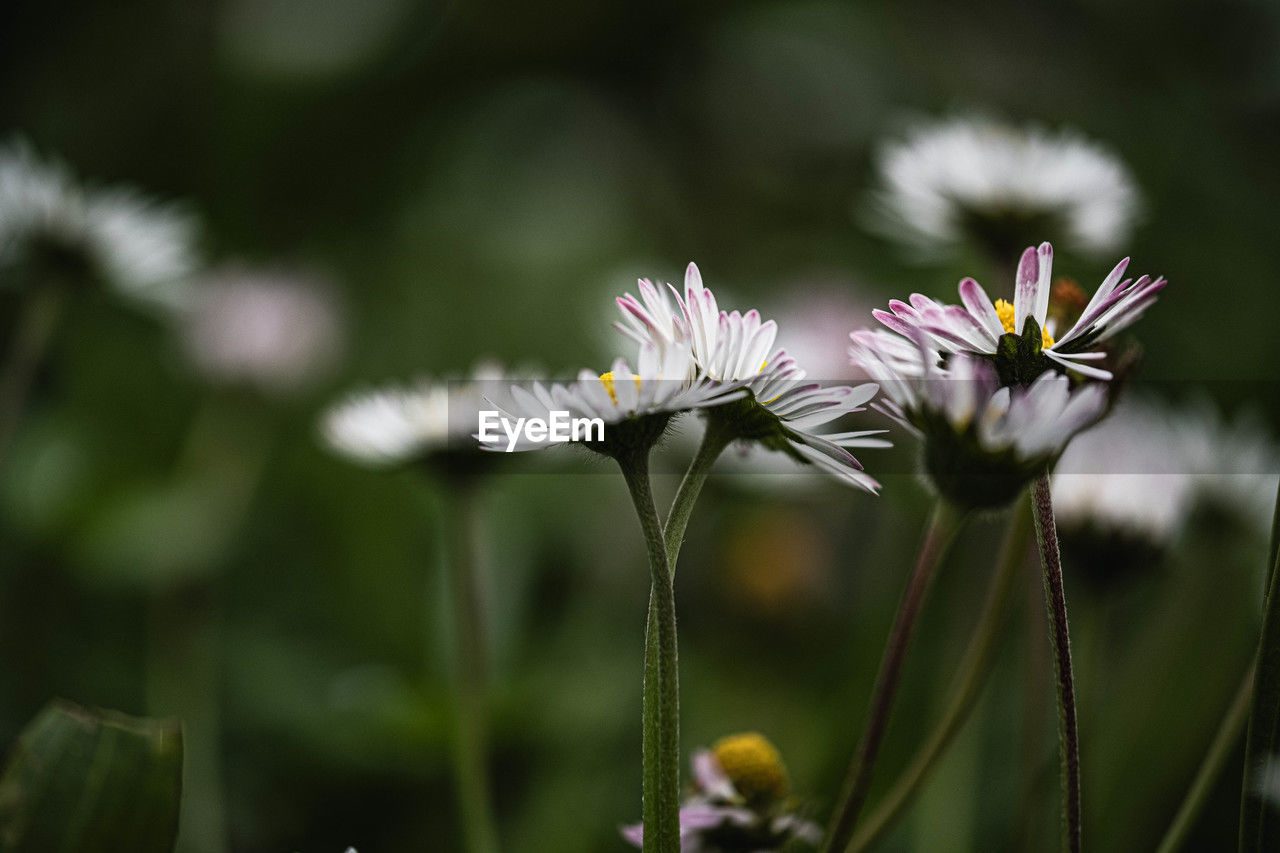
{"x":753,"y":765}
{"x":606,"y":379}
{"x":1004,"y":311}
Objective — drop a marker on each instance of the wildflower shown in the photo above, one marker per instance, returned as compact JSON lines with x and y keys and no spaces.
{"x":276,"y":331}
{"x":1020,"y":336}
{"x":400,"y":424}
{"x":982,"y":441}
{"x":781,"y":410}
{"x":740,"y":801}
{"x":55,"y":230}
{"x":998,"y":186}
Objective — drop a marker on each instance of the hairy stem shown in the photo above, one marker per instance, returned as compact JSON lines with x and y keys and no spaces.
{"x":942,"y":528}
{"x":975,"y":667}
{"x":661,"y":728}
{"x":1060,"y":644}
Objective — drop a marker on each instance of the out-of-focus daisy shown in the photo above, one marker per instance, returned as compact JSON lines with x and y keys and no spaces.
{"x":53,"y":227}
{"x":399,"y":424}
{"x":982,"y":327}
{"x":276,"y":331}
{"x":1139,"y":474}
{"x":998,"y":186}
{"x":982,"y":441}
{"x":741,"y":801}
{"x":782,"y":410}
{"x":635,"y":406}
{"x":813,"y":322}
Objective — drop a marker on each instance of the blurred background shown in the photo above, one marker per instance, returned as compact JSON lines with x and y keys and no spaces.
{"x":463,"y":181}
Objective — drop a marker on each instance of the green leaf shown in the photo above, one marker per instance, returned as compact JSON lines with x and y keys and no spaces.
{"x":89,"y":780}
{"x":1259,"y":818}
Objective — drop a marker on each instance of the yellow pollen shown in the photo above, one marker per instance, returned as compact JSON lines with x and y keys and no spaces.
{"x":1005,"y":312}
{"x":753,"y":765}
{"x":606,"y":379}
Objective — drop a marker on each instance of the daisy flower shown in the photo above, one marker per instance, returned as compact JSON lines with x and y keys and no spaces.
{"x":53,"y":226}
{"x":981,"y":326}
{"x":998,"y":186}
{"x":782,"y":410}
{"x":635,"y":406}
{"x":400,"y":424}
{"x":982,"y":441}
{"x":1141,"y":473}
{"x":740,"y":802}
{"x":279,"y":332}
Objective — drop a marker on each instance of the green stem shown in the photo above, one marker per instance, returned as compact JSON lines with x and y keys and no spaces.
{"x":661,"y":749}
{"x":943,"y":526}
{"x":33,"y":332}
{"x":470,"y":749}
{"x":1215,"y":759}
{"x":975,"y":667}
{"x":1060,"y":644}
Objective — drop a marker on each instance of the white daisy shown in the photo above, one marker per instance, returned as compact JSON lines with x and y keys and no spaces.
{"x":733,"y":347}
{"x":999,"y":186}
{"x":657,"y":389}
{"x":399,"y":424}
{"x":978,"y":326}
{"x":279,"y":332}
{"x":1148,"y":465}
{"x":50,"y":224}
{"x":982,"y":441}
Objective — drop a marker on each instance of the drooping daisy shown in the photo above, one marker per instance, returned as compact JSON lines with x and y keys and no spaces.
{"x":982,"y":441}
{"x":998,"y":187}
{"x":782,"y":410}
{"x":276,"y":331}
{"x":741,"y":801}
{"x":400,"y":424}
{"x":52,"y":227}
{"x":983,"y":327}
{"x":634,"y":406}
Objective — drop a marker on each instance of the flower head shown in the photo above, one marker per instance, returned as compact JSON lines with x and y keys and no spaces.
{"x":1021,"y":336}
{"x":982,"y":441}
{"x":53,"y":227}
{"x":1138,"y":476}
{"x":740,"y":801}
{"x":275,"y":331}
{"x":634,"y":405}
{"x":399,"y":424}
{"x":999,"y":186}
{"x":781,"y":410}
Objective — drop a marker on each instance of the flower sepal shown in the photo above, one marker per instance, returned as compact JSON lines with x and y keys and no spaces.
{"x":1019,"y":359}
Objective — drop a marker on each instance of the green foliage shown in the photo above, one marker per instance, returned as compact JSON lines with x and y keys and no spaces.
{"x":82,"y":781}
{"x":1259,"y":819}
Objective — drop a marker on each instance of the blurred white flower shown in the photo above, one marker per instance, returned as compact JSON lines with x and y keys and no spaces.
{"x":978,"y":326}
{"x":278,"y":332}
{"x":973,"y":179}
{"x":1148,"y":465}
{"x":399,"y":424}
{"x":813,"y":322}
{"x":51,"y":224}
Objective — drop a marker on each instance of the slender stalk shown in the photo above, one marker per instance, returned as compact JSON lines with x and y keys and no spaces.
{"x":975,"y":667}
{"x":470,"y":751}
{"x":33,"y":332}
{"x":943,"y":525}
{"x":661,"y":805}
{"x":1215,"y":759}
{"x":1060,"y":644}
{"x":714,"y":440}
